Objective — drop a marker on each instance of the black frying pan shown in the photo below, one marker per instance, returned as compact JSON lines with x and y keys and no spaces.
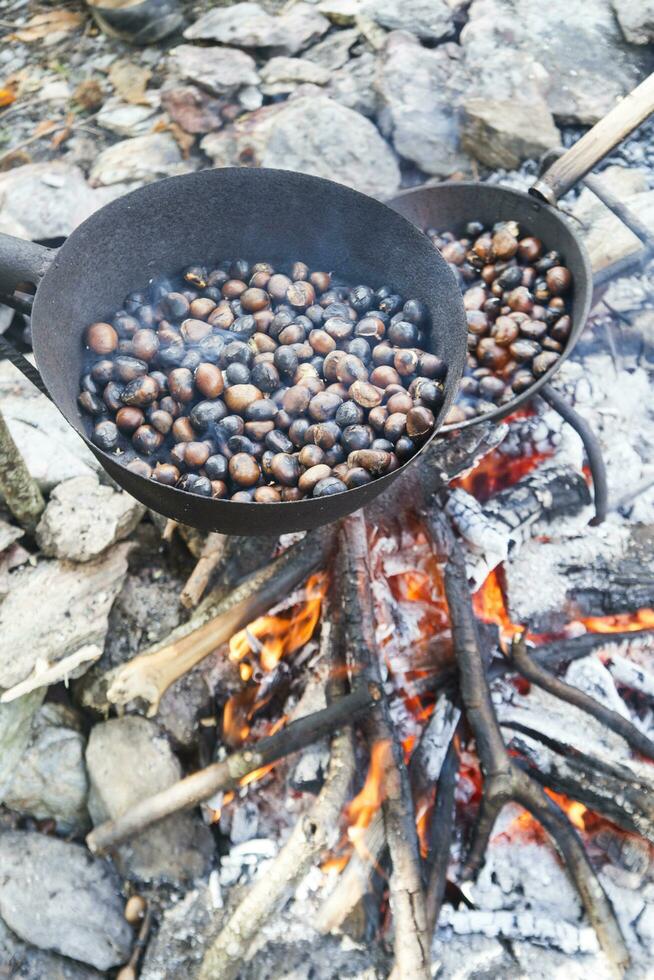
{"x":260,"y":214}
{"x":450,"y":206}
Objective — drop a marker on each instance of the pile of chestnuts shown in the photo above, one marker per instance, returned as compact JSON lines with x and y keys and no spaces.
{"x":517,"y":301}
{"x":239,"y":381}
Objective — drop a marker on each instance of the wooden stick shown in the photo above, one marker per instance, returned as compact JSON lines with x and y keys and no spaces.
{"x":198,"y":580}
{"x":411,"y":942}
{"x":311,"y":835}
{"x":20,"y":491}
{"x":227,"y":775}
{"x":152,"y":672}
{"x":572,"y":695}
{"x":505,"y":781}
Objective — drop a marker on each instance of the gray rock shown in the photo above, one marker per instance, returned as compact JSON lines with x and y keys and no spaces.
{"x":430,"y":20}
{"x":281,"y":75}
{"x":636,"y":19}
{"x":354,"y":85}
{"x":248,"y":25}
{"x":127,"y":120}
{"x":181,"y":707}
{"x":221,"y":71}
{"x":15,"y":729}
{"x":8,"y":534}
{"x":128,"y":759}
{"x":334,"y":51}
{"x":142,"y":159}
{"x":54,"y":620}
{"x":6,"y":316}
{"x":50,"y":776}
{"x":45,"y":200}
{"x":420,"y":90}
{"x":503,"y":134}
{"x":192,"y":109}
{"x":30,"y":963}
{"x":314,"y":135}
{"x":606,"y":237}
{"x":51,"y":449}
{"x":579,"y":46}
{"x":83,"y":518}
{"x":343,"y":13}
{"x":57,"y":897}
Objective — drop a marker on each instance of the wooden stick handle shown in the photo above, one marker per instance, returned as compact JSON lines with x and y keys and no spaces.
{"x":596,"y":143}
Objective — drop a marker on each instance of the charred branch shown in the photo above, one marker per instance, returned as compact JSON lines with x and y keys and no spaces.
{"x":311,"y":835}
{"x":411,"y":941}
{"x":222,"y":776}
{"x":504,"y":781}
{"x":440,"y":837}
{"x":152,"y":672}
{"x":536,"y":674}
{"x":499,"y":527}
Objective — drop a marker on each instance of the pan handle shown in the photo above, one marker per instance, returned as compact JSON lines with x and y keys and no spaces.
{"x":22,"y":261}
{"x":596,"y":143}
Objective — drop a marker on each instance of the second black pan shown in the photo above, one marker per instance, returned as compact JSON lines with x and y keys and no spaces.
{"x":257,"y":214}
{"x":449,"y":206}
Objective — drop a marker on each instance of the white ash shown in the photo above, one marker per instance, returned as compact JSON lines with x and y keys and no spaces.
{"x":245,"y":861}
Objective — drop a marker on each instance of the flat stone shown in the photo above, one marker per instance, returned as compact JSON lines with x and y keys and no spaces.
{"x":281,"y":75}
{"x":313,"y":135}
{"x":503,"y":134}
{"x":83,"y":518}
{"x":51,"y":448}
{"x":192,"y":109}
{"x":430,"y":20}
{"x":30,"y":963}
{"x":142,"y":159}
{"x":15,"y":730}
{"x":580,"y":47}
{"x":45,"y":200}
{"x":57,"y":611}
{"x":222,"y":71}
{"x":248,"y":25}
{"x":421,"y":92}
{"x":636,"y":19}
{"x":606,"y":237}
{"x":126,"y":119}
{"x":334,"y":51}
{"x":343,"y":13}
{"x":50,"y":776}
{"x":128,"y":759}
{"x":57,"y":897}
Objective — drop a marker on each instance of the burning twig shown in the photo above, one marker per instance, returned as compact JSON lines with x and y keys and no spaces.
{"x":504,"y":781}
{"x":198,"y":580}
{"x":591,"y":445}
{"x":354,"y":882}
{"x":151,"y":673}
{"x":20,"y":491}
{"x":310,"y":836}
{"x":222,"y":776}
{"x":572,"y":695}
{"x":412,"y":952}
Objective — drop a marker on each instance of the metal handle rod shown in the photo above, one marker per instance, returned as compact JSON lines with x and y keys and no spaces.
{"x":22,"y":261}
{"x":596,"y":143}
{"x":591,"y":444}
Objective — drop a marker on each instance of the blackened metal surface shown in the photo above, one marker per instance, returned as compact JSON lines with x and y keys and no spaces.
{"x":259,"y":214}
{"x":449,"y":206}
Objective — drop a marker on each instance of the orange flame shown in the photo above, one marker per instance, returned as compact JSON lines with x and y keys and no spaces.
{"x":576,"y":813}
{"x":274,"y":637}
{"x":266,"y":641}
{"x":642,"y":619}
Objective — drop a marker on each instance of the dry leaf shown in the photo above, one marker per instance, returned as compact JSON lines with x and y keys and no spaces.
{"x":13,"y":159}
{"x":183,"y":139}
{"x":89,"y":94}
{"x":60,"y":137}
{"x":7,"y":96}
{"x":129,"y":80}
{"x":43,"y":25}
